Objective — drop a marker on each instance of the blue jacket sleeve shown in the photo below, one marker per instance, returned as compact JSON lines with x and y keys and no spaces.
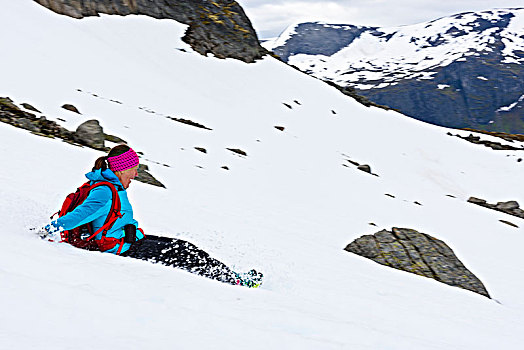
{"x":97,"y":203}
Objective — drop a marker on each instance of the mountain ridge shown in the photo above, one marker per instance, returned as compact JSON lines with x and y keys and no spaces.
{"x":456,"y":71}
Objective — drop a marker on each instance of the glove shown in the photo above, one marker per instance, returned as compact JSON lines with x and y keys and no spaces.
{"x":51,"y":228}
{"x":48,"y":230}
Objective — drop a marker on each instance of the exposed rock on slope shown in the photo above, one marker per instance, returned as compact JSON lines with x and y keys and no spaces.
{"x":497,"y":146}
{"x":509,"y":207}
{"x":418,"y":253}
{"x":91,"y":134}
{"x":88,"y":134}
{"x":219,"y":27}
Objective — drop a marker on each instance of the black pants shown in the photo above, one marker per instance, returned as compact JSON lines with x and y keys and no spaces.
{"x":178,"y":253}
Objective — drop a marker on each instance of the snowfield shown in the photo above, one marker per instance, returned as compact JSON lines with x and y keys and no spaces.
{"x":288,"y":208}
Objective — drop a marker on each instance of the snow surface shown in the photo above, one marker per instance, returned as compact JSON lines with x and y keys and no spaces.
{"x":511,"y":106}
{"x":288,"y":208}
{"x":410,"y":51}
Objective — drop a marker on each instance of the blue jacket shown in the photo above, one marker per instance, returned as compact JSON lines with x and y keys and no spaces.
{"x":96,"y":207}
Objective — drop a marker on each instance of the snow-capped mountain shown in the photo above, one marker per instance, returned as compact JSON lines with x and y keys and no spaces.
{"x":456,"y":71}
{"x":287,"y":205}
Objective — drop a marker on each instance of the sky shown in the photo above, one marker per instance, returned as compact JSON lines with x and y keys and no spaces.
{"x":271,"y":17}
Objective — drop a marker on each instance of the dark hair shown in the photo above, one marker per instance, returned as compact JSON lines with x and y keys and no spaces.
{"x":101,"y":163}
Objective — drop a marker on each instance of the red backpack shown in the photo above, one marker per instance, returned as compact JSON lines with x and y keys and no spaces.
{"x":82,"y":236}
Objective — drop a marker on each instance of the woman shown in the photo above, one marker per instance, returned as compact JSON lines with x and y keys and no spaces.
{"x":119,"y":168}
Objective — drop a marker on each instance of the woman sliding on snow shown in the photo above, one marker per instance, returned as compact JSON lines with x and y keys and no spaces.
{"x":99,"y":216}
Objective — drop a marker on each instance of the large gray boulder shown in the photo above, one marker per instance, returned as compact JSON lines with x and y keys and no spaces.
{"x":418,"y":253}
{"x":91,"y":134}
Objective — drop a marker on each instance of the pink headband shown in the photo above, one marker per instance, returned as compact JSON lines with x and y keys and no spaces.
{"x":123,"y":161}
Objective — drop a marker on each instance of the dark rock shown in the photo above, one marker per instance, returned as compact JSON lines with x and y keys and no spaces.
{"x":27,"y":124}
{"x":497,"y":146}
{"x":71,"y":108}
{"x":218,"y":27}
{"x":189,"y":122}
{"x":145,"y":177}
{"x":518,"y":212}
{"x":30,"y":108}
{"x":114,"y":139}
{"x":475,"y":200}
{"x":364,"y":167}
{"x":365,"y":246}
{"x":418,"y":253}
{"x":238,"y":151}
{"x":91,"y":134}
{"x":509,"y":223}
{"x":510,"y":205}
{"x":384,"y":236}
{"x":7,"y":106}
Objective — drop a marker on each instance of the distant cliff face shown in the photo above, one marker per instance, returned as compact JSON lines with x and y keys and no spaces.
{"x":219,"y":27}
{"x":465,"y":70}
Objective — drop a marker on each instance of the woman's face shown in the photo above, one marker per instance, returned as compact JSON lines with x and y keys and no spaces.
{"x":126,"y":176}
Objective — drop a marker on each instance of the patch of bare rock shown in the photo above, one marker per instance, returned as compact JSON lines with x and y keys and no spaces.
{"x":509,"y":207}
{"x":89,"y":134}
{"x":419,"y":253}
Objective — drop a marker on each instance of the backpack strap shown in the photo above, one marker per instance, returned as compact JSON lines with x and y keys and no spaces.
{"x":114,"y":212}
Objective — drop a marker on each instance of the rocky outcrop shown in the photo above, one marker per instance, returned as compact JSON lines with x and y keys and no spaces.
{"x":509,"y":207}
{"x":91,"y":134}
{"x":11,"y":114}
{"x":497,"y":146}
{"x":218,"y":27}
{"x":418,"y":253}
{"x":88,"y":134}
{"x":145,"y":177}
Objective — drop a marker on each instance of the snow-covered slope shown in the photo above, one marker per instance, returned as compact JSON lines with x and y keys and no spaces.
{"x":288,"y":208}
{"x":387,"y":55}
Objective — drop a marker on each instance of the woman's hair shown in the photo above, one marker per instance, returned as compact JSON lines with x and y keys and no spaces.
{"x":101,"y":163}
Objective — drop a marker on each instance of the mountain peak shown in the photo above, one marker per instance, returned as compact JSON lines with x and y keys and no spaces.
{"x":478,"y":55}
